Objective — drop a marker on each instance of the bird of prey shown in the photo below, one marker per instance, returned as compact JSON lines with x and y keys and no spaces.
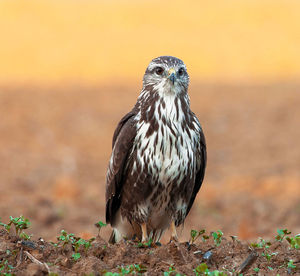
{"x":158,"y":157}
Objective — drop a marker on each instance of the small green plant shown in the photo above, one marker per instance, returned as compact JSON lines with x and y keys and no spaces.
{"x":100,"y":225}
{"x":291,"y":265}
{"x":65,"y":238}
{"x":196,"y":234}
{"x":171,"y":271}
{"x":261,"y":244}
{"x":5,"y":268}
{"x":256,"y":269}
{"x":269,"y":256}
{"x":76,"y":243}
{"x":145,"y":244}
{"x":140,"y":268}
{"x":217,"y":236}
{"x":20,"y":223}
{"x":282,"y":233}
{"x":234,"y":238}
{"x":24,"y":236}
{"x":137,"y":269}
{"x":76,"y":256}
{"x":202,"y":269}
{"x":294,"y":241}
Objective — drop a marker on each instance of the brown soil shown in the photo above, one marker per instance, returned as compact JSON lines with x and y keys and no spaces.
{"x":55,"y":145}
{"x":40,"y":258}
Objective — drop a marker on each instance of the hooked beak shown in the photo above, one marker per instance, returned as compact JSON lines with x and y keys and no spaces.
{"x":171,"y":75}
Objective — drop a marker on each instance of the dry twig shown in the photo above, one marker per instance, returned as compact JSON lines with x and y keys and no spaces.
{"x":36,"y":261}
{"x":248,"y":262}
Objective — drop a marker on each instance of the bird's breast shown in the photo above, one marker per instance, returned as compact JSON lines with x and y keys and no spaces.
{"x":168,"y":153}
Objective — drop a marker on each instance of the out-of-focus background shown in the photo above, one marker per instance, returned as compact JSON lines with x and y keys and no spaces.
{"x":70,"y":69}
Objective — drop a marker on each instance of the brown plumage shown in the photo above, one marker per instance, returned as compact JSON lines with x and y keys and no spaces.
{"x":158,"y":159}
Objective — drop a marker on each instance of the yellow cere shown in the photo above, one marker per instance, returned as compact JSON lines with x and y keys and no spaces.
{"x":172,"y":70}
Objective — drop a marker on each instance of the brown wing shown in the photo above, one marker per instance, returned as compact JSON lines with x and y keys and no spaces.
{"x":201,"y":171}
{"x":122,"y":144}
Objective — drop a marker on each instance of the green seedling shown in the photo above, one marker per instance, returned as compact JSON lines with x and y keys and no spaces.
{"x":202,"y":269}
{"x":100,"y":225}
{"x":217,"y":237}
{"x":5,"y":268}
{"x":20,"y":223}
{"x":269,"y":256}
{"x":261,"y":244}
{"x":204,"y":238}
{"x":7,"y":227}
{"x":140,"y":268}
{"x":145,"y":244}
{"x":76,"y":243}
{"x":24,"y":236}
{"x":65,"y":238}
{"x":256,"y":269}
{"x":291,"y":265}
{"x":196,"y":234}
{"x":76,"y":256}
{"x":234,"y":238}
{"x":282,"y":233}
{"x":294,"y":241}
{"x":137,"y":269}
{"x":171,"y":271}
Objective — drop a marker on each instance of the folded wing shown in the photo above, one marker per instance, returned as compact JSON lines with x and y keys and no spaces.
{"x":122,"y":145}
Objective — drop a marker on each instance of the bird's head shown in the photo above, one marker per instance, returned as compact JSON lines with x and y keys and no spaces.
{"x":166,"y":75}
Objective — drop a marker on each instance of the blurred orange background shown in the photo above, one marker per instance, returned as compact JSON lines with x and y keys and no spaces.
{"x":70,"y":69}
{"x":93,"y":41}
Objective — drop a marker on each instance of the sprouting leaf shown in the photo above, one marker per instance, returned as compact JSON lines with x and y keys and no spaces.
{"x":291,"y":264}
{"x":294,"y":241}
{"x":201,"y":268}
{"x":196,"y":234}
{"x":217,"y":237}
{"x":100,"y":224}
{"x":281,"y":234}
{"x":76,"y":256}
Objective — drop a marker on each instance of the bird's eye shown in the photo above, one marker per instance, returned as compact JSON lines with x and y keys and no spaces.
{"x":180,"y":71}
{"x":159,"y":70}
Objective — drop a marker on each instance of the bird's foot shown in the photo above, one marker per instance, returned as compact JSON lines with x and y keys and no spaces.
{"x":174,"y":237}
{"x":174,"y":240}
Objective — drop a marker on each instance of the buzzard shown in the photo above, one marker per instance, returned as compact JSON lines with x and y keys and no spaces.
{"x":158,"y":157}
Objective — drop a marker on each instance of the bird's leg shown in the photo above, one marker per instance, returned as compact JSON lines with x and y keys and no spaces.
{"x":174,"y":236}
{"x":144,"y":232}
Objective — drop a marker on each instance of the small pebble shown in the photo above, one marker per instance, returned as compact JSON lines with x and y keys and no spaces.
{"x":207,"y":255}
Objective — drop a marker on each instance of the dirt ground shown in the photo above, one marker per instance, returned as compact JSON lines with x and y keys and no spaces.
{"x":232,"y":257}
{"x":55,"y":144}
